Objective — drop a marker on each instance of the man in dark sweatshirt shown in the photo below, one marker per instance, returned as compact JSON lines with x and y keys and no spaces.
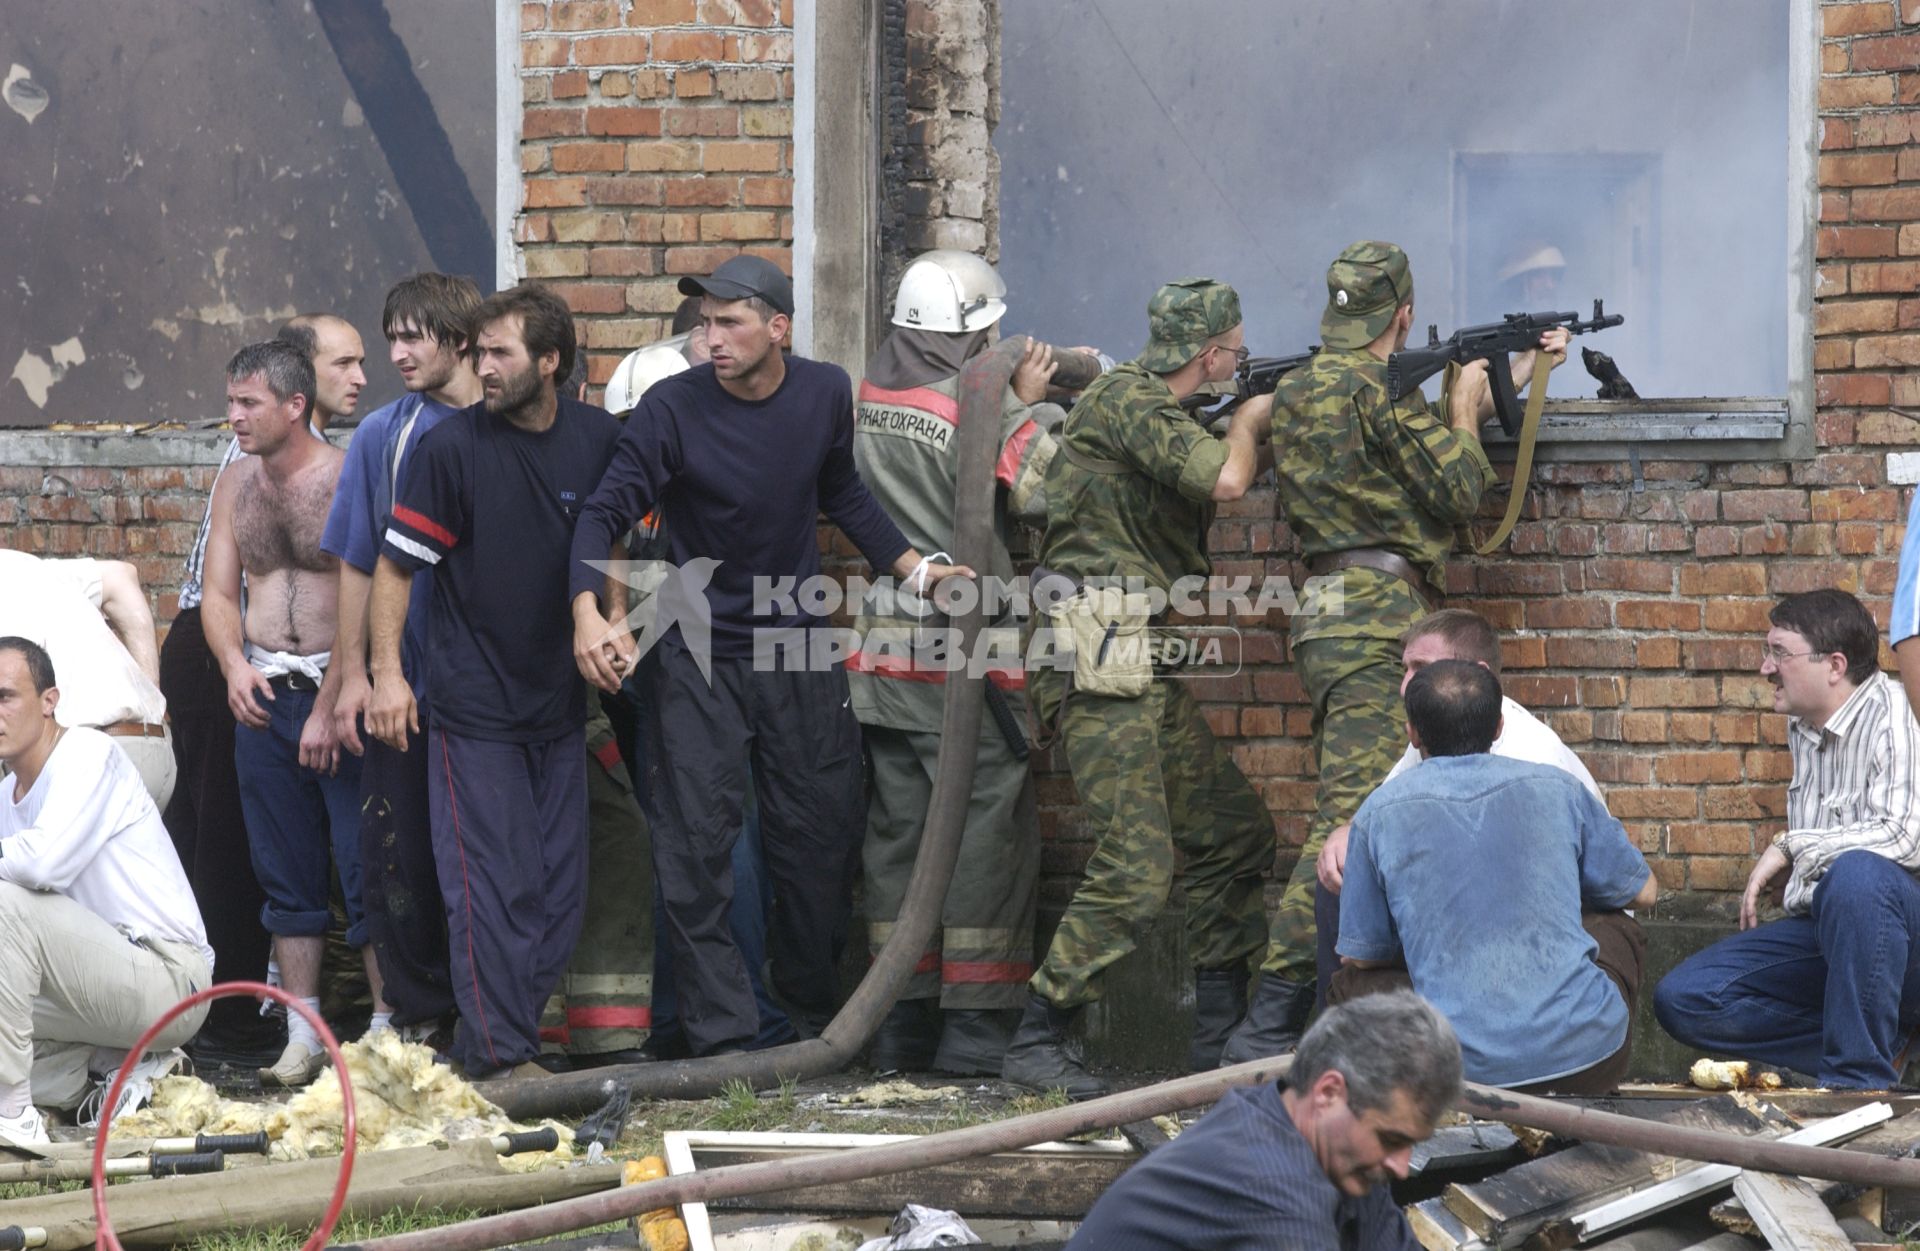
{"x":741,"y":455}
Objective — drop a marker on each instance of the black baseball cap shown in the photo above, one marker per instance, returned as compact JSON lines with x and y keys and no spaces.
{"x":743,"y":276}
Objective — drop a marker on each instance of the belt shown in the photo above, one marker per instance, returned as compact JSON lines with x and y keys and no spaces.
{"x":295,"y":682}
{"x":134,"y":729}
{"x":1393,"y":564}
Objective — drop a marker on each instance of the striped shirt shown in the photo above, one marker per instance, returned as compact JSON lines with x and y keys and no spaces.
{"x":1853,"y":787}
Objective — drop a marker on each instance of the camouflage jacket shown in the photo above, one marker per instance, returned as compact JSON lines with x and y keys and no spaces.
{"x":1358,"y":469}
{"x":1150,"y":522}
{"x":903,"y":443}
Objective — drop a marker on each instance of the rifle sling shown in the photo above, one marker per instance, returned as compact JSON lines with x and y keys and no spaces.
{"x":1523,"y":459}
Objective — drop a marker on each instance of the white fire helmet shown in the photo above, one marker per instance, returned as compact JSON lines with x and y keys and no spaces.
{"x":640,"y":370}
{"x":951,"y":291}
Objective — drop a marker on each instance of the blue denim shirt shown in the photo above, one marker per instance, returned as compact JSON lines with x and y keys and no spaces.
{"x":1474,"y":871}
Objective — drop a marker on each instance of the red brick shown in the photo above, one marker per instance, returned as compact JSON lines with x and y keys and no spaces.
{"x":1855,"y":505}
{"x":748,"y":84}
{"x":1608,"y":692}
{"x":1647,"y":614}
{"x":1672,"y":692}
{"x":533,"y":17}
{"x":549,"y":122}
{"x":567,"y":84}
{"x":1723,"y":579}
{"x":1718,"y":873}
{"x":743,"y":155}
{"x":1768,"y":766}
{"x":687,"y":45}
{"x":1857,"y":169}
{"x":764,"y":49}
{"x":625,"y":190}
{"x":1540,"y":693}
{"x":1895,"y":278}
{"x":1857,"y":539}
{"x":544,"y":53}
{"x":1520,"y":579}
{"x":1657,"y":654}
{"x":1630,"y":575}
{"x":624,"y":121}
{"x":584,"y":15}
{"x":556,"y":192}
{"x":1523,"y":652}
{"x":577,"y":157}
{"x":1856,"y":241}
{"x":1762,"y":505}
{"x":1836,"y":135}
{"x":1855,"y":316}
{"x":1910,"y":11}
{"x":1834,"y":59}
{"x":1835,"y":353}
{"x":1853,"y":390}
{"x":622,"y":262}
{"x":1629,"y":805}
{"x":708,"y":192}
{"x":1589,"y":653}
{"x":1856,"y":91}
{"x":1691,"y":727}
{"x":1709,"y":654}
{"x":1561,"y":614}
{"x":591,"y":297}
{"x":662,"y":13}
{"x":1837,"y":20}
{"x":1793,"y":577}
{"x":1887,"y":52}
{"x":1686,"y":768}
{"x":611,"y":50}
{"x":705,"y":122}
{"x":1725,"y":839}
{"x":663,"y":155}
{"x":766,"y":13}
{"x":1643,"y":727}
{"x":766,"y":191}
{"x":693,"y":84}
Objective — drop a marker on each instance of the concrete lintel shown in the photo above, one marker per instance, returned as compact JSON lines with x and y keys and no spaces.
{"x":112,"y":449}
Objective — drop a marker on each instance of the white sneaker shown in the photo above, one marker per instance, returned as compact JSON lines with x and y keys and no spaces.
{"x":138,"y":1090}
{"x":29,"y":1129}
{"x":297,"y":1066}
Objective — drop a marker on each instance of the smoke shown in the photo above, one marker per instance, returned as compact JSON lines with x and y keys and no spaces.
{"x":1642,"y":143}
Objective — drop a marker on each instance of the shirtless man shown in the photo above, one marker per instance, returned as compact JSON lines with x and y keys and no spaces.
{"x":299,"y":792}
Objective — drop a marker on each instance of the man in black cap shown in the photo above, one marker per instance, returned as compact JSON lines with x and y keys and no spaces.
{"x":742,"y":454}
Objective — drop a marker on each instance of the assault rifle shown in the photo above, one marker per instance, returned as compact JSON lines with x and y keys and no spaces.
{"x":1257,"y":375}
{"x":1516,"y":332}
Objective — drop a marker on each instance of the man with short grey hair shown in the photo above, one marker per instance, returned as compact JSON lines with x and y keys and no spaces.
{"x":1303,"y":1163}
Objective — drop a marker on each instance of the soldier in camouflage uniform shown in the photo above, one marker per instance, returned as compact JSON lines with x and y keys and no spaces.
{"x":1131,"y":495}
{"x":1374,"y":489}
{"x":957,"y":1012}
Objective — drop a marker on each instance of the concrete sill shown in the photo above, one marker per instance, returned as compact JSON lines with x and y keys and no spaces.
{"x":1742,"y":428}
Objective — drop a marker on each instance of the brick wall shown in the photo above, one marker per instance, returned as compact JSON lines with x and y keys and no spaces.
{"x":656,"y":142}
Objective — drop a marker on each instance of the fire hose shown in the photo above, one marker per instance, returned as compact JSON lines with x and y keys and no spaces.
{"x":1570,"y":1121}
{"x":983,"y":384}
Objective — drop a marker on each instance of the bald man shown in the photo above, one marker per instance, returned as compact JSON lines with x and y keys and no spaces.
{"x":339,"y":359}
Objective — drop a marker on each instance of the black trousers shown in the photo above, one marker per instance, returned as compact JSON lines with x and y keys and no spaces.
{"x":798,"y":731}
{"x":400,"y":884}
{"x":204,"y":820}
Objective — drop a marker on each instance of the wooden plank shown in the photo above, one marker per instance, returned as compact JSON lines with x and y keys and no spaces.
{"x":1003,"y":1185}
{"x":1506,"y":1209}
{"x":1789,"y":1214}
{"x":1705,"y":1178}
{"x":1437,"y":1229}
{"x":1899,"y":1139}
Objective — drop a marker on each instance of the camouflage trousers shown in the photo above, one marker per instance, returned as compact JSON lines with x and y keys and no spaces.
{"x":604,"y":1003}
{"x":982,"y":955}
{"x":1152,"y":780}
{"x":1359,"y":731}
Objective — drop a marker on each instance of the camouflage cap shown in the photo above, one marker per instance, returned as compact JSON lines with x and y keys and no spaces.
{"x":1181,"y":317}
{"x":1365,"y":284}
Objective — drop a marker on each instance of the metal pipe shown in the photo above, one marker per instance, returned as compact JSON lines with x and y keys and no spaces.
{"x":983,"y":383}
{"x":1587,"y":1124}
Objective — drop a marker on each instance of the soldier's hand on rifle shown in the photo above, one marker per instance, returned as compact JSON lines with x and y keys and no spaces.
{"x":1554,"y":343}
{"x":1256,"y":415}
{"x":1035,"y":370}
{"x":1471,"y":399}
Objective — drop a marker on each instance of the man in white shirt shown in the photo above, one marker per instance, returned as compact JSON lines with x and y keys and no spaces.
{"x":1450,"y":634}
{"x":1833,"y":988}
{"x":99,"y":934}
{"x":94,"y":620}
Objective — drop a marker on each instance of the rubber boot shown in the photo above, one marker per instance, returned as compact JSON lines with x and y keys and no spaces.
{"x":973,"y":1041}
{"x":1275,"y":1020}
{"x":1219,"y":1004}
{"x":1038,"y":1059}
{"x":907,"y":1037}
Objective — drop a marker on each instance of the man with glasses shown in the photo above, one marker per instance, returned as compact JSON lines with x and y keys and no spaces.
{"x":1130,"y":498}
{"x":1374,"y":488}
{"x":1832,"y":989}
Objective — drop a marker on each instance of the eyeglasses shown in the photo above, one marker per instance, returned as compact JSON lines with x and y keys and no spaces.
{"x":1240,"y":354}
{"x":1778,"y":656}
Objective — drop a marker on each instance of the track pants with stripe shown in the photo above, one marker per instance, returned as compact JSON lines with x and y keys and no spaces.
{"x":510,"y":839}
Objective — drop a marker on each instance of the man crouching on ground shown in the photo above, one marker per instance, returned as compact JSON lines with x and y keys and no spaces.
{"x":99,"y":933}
{"x":1302,"y":1163}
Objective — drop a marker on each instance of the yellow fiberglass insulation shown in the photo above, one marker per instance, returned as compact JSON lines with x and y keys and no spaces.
{"x":402,"y":1097}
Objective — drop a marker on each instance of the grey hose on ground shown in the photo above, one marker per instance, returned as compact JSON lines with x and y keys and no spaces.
{"x":983,"y":383}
